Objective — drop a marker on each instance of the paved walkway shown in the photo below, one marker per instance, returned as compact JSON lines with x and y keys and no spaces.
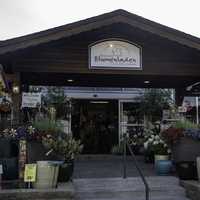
{"x":106,"y":166}
{"x":161,"y":188}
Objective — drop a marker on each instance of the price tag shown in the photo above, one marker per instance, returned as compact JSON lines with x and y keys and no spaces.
{"x":30,"y":173}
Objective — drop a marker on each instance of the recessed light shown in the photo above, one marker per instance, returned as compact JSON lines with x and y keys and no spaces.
{"x":100,"y":102}
{"x":70,"y":80}
{"x":146,"y":82}
{"x":110,"y":45}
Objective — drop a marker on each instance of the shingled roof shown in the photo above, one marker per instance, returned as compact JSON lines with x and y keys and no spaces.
{"x":117,"y":16}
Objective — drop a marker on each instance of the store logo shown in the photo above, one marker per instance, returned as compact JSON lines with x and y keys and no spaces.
{"x":115,"y":54}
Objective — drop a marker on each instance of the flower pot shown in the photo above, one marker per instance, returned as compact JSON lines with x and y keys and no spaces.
{"x":46,"y":175}
{"x":186,"y":170}
{"x":5,"y":148}
{"x":163,"y":167}
{"x":186,"y":149}
{"x":160,"y":157}
{"x":66,"y":171}
{"x":10,"y":168}
{"x":198,"y":167}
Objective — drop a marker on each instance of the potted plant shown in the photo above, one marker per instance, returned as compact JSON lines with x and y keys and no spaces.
{"x":184,"y":139}
{"x":153,"y":102}
{"x":66,"y":148}
{"x":117,"y":149}
{"x":161,"y":151}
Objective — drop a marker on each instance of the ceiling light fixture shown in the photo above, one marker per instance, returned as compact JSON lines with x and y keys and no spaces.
{"x":110,"y":45}
{"x":100,"y":102}
{"x":70,"y":80}
{"x":146,"y":82}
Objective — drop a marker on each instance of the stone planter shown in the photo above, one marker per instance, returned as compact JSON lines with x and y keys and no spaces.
{"x":186,"y":149}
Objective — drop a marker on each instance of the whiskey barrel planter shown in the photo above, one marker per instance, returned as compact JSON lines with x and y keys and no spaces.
{"x":186,"y":149}
{"x":185,"y":152}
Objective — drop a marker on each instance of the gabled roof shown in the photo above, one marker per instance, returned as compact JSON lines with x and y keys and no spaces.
{"x":117,"y":16}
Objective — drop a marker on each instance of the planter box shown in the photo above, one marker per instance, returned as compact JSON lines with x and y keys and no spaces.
{"x":186,"y":149}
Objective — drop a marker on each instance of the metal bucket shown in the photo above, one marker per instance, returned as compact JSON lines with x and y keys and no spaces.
{"x":45,"y":175}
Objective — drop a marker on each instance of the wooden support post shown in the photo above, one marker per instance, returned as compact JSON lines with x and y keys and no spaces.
{"x":179,"y":96}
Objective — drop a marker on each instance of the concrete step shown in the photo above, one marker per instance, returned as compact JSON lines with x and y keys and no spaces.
{"x":161,"y":188}
{"x":63,"y":192}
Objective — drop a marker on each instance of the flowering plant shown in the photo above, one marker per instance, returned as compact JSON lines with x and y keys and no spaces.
{"x":181,"y":129}
{"x":155,"y":144}
{"x":22,"y":132}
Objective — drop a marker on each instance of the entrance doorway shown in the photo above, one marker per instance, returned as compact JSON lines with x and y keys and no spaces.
{"x":95,"y":123}
{"x":131,"y":120}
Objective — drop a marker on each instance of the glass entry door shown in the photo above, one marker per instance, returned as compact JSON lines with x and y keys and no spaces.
{"x":131,"y":121}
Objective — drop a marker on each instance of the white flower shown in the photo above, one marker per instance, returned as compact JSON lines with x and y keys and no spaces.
{"x":146,"y":145}
{"x":152,"y":136}
{"x":161,"y":141}
{"x":155,"y":143}
{"x":168,"y":150}
{"x":157,"y":137}
{"x":150,"y":140}
{"x":165,"y":145}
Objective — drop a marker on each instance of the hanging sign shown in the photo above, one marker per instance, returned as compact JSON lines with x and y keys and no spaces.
{"x":115,"y":54}
{"x":30,"y":173}
{"x":31,"y":100}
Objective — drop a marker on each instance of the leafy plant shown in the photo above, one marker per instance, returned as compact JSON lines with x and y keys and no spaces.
{"x":64,"y":146}
{"x":56,"y":97}
{"x":185,"y":124}
{"x":117,"y":149}
{"x":183,"y":128}
{"x":48,"y":126}
{"x":153,"y":102}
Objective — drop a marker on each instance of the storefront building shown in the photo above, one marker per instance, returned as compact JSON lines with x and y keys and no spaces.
{"x":101,"y":60}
